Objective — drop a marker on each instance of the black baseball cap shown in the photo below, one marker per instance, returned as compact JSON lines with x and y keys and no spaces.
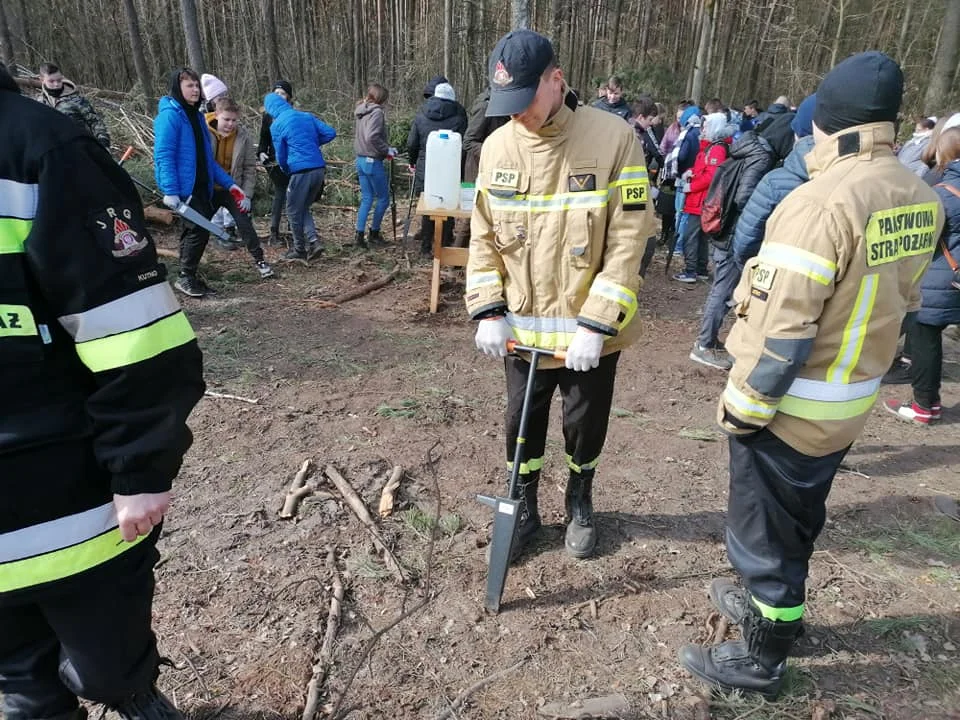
{"x":515,"y":67}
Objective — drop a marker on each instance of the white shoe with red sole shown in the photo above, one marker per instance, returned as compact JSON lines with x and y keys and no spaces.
{"x":911,"y":412}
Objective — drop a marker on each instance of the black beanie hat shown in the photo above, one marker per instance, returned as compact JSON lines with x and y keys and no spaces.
{"x":285,"y":86}
{"x":864,"y":88}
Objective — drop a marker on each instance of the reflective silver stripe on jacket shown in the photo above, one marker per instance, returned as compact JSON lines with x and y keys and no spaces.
{"x":57,"y":534}
{"x":130,"y":312}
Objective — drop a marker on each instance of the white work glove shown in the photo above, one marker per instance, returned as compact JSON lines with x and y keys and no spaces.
{"x":240,"y":198}
{"x":171,"y":201}
{"x":263,"y":158}
{"x":492,"y":336}
{"x":584,"y":351}
{"x":245,"y":204}
{"x":392,"y":153}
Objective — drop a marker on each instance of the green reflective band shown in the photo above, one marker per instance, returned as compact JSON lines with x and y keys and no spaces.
{"x":778,"y":614}
{"x":13,"y":233}
{"x":580,"y":468}
{"x":531,"y":465}
{"x":135,"y":346}
{"x":64,"y":563}
{"x":825,"y":410}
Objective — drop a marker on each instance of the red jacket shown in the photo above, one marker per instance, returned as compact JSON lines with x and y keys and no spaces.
{"x":704,"y":169}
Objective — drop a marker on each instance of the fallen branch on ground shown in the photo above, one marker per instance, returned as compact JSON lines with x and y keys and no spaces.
{"x":165,"y":252}
{"x":160,"y":216}
{"x":228,"y":396}
{"x":479,"y":685}
{"x":297,"y":492}
{"x":360,"y":510}
{"x":386,"y":495}
{"x":325,"y":656}
{"x":365,"y":289}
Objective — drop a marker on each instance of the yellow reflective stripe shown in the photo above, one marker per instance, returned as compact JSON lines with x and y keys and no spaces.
{"x":546,"y":332}
{"x":531,"y":465}
{"x":826,"y":410}
{"x":16,"y":320}
{"x":817,"y":268}
{"x":550,"y":203}
{"x":137,"y":345}
{"x":549,"y":340}
{"x":855,"y":332}
{"x":483,"y":279}
{"x":778,"y":614}
{"x":13,"y":233}
{"x":747,"y":406}
{"x":623,"y":296}
{"x":63,"y":563}
{"x":586,"y":466}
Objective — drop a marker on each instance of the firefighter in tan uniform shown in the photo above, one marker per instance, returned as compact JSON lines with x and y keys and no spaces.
{"x":558,"y":231}
{"x":818,"y":315}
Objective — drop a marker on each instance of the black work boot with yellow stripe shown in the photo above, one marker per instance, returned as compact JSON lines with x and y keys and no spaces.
{"x":581,"y":537}
{"x":757,"y":663}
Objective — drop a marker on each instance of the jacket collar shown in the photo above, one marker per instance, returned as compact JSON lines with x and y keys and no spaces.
{"x":862,"y":142}
{"x":550,"y":135}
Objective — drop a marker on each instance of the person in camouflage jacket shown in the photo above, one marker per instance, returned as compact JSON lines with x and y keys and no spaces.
{"x":62,"y":95}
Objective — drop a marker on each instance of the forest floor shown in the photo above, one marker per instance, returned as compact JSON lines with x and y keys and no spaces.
{"x":243,"y":596}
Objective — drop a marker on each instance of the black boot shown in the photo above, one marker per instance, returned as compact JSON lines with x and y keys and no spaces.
{"x":529,"y":522}
{"x":581,"y":538}
{"x":274,"y":238}
{"x":361,"y":241}
{"x":730,"y":599}
{"x":376,"y":239}
{"x":757,"y":663}
{"x":150,"y":705}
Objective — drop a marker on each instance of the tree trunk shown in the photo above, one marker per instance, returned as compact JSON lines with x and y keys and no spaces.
{"x":357,"y":57}
{"x":520,"y":14}
{"x":703,"y":49}
{"x":6,"y":42}
{"x":614,"y":30}
{"x":838,"y":36}
{"x":139,"y":58}
{"x":904,"y":29}
{"x":645,"y":30}
{"x":381,"y":68}
{"x":191,"y":28}
{"x":447,"y":32}
{"x":270,"y":39}
{"x":945,"y":61}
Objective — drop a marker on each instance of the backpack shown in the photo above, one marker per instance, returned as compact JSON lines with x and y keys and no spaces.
{"x":718,"y":211}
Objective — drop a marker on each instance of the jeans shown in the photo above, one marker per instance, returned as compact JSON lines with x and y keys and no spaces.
{"x":304,"y":189}
{"x":696,"y":246}
{"x":373,"y":184}
{"x":926,"y":370}
{"x":222,"y":198}
{"x":726,"y":275}
{"x":193,"y":239}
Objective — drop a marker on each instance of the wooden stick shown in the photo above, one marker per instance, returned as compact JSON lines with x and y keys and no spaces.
{"x":157,"y":215}
{"x":228,"y":396}
{"x":297,"y":492}
{"x":480,"y":684}
{"x":325,"y":657}
{"x":386,"y":496}
{"x":364,"y":289}
{"x":360,"y":510}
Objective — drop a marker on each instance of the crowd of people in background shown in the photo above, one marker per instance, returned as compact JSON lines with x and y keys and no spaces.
{"x":732,"y":164}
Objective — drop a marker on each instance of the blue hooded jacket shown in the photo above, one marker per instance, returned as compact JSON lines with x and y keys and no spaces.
{"x":175,"y":149}
{"x":297,"y":136}
{"x":941,"y":301}
{"x":770,"y":192}
{"x":690,"y":147}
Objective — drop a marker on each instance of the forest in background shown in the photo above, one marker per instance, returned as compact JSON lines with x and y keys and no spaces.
{"x":330,"y":49}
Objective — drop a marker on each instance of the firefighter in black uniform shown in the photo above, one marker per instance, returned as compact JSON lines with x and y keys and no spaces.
{"x":100,"y":370}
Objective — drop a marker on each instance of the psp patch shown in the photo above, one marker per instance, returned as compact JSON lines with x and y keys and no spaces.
{"x":582,"y":183}
{"x":634,"y":194}
{"x":505,"y":178}
{"x":113,"y":230}
{"x":763,"y":276}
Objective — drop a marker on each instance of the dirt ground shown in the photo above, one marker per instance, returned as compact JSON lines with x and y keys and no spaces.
{"x":243,"y":596}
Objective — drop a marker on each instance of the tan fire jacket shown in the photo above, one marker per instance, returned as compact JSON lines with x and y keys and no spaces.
{"x":819,"y":309}
{"x":558,"y":229}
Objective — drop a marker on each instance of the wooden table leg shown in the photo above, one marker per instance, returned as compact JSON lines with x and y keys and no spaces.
{"x":437,"y":245}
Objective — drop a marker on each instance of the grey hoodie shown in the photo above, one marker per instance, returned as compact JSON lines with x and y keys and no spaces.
{"x":371,"y":140}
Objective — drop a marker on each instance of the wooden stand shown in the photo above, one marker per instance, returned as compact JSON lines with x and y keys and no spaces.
{"x":456,"y":257}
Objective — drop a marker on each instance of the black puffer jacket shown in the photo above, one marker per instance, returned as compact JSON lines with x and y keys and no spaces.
{"x":434,"y":114}
{"x":757,"y":158}
{"x":769,"y":115}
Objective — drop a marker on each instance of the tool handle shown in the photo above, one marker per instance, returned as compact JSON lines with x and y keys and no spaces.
{"x":513,"y":347}
{"x":127,"y":154}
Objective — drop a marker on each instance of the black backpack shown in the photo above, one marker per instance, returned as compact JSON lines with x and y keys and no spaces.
{"x":718,"y":212}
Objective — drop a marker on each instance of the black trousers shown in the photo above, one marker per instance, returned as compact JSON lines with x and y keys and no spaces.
{"x":776,"y":510}
{"x":248,"y":233}
{"x":280,"y":182}
{"x":926,"y":370}
{"x":193,"y":239}
{"x":89,"y":636}
{"x":586,"y":397}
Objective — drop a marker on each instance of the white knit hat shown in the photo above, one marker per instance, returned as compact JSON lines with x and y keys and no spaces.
{"x":213,"y":87}
{"x":445,"y":91}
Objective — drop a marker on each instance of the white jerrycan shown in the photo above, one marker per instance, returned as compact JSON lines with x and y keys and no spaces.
{"x":441,"y":179}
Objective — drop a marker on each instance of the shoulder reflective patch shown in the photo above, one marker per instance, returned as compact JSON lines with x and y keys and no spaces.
{"x":505,"y":178}
{"x":901,"y":232}
{"x":763,"y":276}
{"x":582,"y":183}
{"x":16,"y":321}
{"x":634,"y":192}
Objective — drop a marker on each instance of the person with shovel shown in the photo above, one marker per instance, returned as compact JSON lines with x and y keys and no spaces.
{"x":557,"y":235}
